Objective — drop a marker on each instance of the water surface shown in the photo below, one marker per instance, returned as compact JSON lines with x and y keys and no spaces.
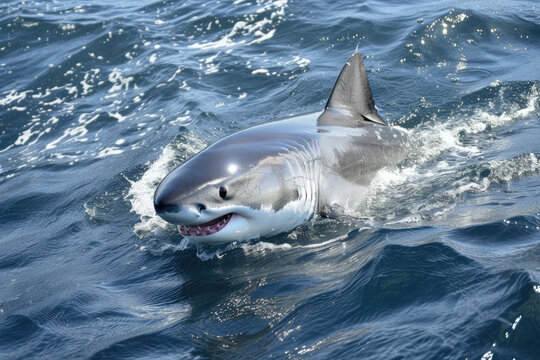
{"x":100,"y":99}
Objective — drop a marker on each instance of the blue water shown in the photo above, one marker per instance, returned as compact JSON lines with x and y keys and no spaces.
{"x":100,"y":99}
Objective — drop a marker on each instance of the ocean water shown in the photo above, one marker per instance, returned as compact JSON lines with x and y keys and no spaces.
{"x":100,"y":99}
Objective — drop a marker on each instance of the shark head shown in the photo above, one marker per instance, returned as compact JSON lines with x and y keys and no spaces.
{"x":236,"y":189}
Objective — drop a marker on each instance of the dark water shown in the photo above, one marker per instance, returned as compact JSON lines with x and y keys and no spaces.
{"x":99,"y":99}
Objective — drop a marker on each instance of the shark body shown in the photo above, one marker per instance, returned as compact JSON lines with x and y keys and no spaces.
{"x":271,"y":178}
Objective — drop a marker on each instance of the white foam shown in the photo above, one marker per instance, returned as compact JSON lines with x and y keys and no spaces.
{"x":25,"y":136}
{"x":205,"y":253}
{"x":248,"y":30}
{"x":141,"y":192}
{"x":182,"y":120}
{"x":302,"y":62}
{"x":324,"y":243}
{"x":14,"y":96}
{"x":113,"y":150}
{"x":445,"y":136}
{"x":253,"y":247}
{"x":29,"y":24}
{"x":510,"y":169}
{"x":89,"y":80}
{"x":436,"y":154}
{"x":211,"y":69}
{"x":487,"y":356}
{"x":119,"y":82}
{"x":56,"y":101}
{"x":178,"y":71}
{"x":117,"y":116}
{"x":262,"y":248}
{"x":261,"y":71}
{"x":516,"y":322}
{"x":260,"y":36}
{"x":225,"y":41}
{"x":211,"y":59}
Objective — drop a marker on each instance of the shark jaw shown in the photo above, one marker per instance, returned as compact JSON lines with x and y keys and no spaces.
{"x":206,"y":229}
{"x":242,"y":223}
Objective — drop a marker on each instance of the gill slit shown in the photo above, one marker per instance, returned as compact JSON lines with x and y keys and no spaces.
{"x":304,"y":162}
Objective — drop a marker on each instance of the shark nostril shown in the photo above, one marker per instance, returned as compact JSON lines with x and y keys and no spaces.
{"x":162,"y":207}
{"x":201,"y":207}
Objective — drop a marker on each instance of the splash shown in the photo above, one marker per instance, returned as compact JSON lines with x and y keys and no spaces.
{"x":252,"y":248}
{"x":447,"y":155}
{"x":141,"y":192}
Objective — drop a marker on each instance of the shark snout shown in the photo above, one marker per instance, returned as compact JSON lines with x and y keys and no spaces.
{"x":163,"y":207}
{"x":178,"y":213}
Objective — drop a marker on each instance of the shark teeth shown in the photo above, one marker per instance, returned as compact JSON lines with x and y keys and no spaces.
{"x":205,"y":229}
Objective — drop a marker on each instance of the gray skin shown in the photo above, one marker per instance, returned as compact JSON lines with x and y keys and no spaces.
{"x":281,"y":174}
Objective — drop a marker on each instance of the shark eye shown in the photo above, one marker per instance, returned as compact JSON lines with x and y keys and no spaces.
{"x":222,"y":192}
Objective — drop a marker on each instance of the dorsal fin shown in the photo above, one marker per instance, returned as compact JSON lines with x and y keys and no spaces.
{"x":351,"y":102}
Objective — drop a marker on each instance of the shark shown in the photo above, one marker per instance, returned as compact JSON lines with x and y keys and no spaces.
{"x":271,"y":178}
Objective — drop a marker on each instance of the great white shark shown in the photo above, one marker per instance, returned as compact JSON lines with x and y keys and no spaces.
{"x":270,"y":178}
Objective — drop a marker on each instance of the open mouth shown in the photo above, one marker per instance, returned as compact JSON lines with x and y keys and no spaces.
{"x":205,"y":229}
